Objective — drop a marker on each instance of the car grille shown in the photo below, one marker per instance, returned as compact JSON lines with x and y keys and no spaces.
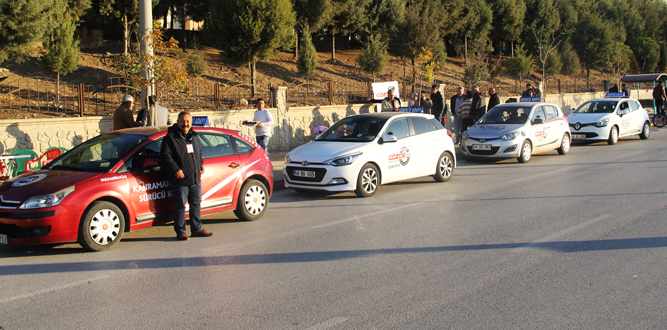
{"x":485,"y":139}
{"x":581,"y":125}
{"x":8,"y":204}
{"x":493,"y":151}
{"x":319,"y":174}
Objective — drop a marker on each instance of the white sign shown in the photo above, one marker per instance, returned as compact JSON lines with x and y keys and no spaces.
{"x":380,"y":89}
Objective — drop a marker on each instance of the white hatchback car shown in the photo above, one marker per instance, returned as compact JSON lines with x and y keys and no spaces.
{"x":361,"y":152}
{"x":609,"y":119}
{"x":517,"y":130}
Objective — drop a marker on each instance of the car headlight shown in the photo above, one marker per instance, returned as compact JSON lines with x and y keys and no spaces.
{"x":36,"y":202}
{"x":340,"y":161}
{"x":465,"y":135}
{"x":602,"y":123}
{"x":510,"y":136}
{"x":287,"y":159}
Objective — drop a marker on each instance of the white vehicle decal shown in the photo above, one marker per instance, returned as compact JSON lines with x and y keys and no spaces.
{"x":226,"y":181}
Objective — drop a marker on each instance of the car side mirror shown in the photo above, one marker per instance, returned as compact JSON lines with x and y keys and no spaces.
{"x":537,"y":121}
{"x":389,"y":138}
{"x":623,"y":111}
{"x":151,"y":163}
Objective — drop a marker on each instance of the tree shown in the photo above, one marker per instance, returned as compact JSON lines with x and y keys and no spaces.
{"x":196,"y":66}
{"x":521,"y":64}
{"x":374,"y":57}
{"x":477,"y":68}
{"x":260,"y":29}
{"x":619,"y":61}
{"x":127,"y":11}
{"x":62,"y":51}
{"x":307,"y":61}
{"x":22,"y":26}
{"x":546,"y":45}
{"x":647,"y":52}
{"x":311,"y":15}
{"x":381,"y":17}
{"x":507,"y":23}
{"x":346,"y":18}
{"x":554,"y":64}
{"x":593,"y":41}
{"x":569,"y":59}
{"x":478,"y":18}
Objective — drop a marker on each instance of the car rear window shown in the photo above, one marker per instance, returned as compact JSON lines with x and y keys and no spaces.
{"x":420,"y":125}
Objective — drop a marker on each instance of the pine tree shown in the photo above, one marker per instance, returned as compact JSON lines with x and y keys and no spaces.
{"x":508,"y":18}
{"x":196,"y":66}
{"x":22,"y":25}
{"x":247,"y":31}
{"x":374,"y":57}
{"x":521,"y":64}
{"x":62,"y":51}
{"x":311,"y":15}
{"x":127,"y":11}
{"x":347,"y":17}
{"x":647,"y":52}
{"x":593,"y":40}
{"x":307,"y":61}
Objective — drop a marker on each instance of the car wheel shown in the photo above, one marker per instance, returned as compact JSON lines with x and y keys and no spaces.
{"x":101,"y":227}
{"x":526,"y":152}
{"x":253,"y":201}
{"x":613,"y":136}
{"x":564,"y":145}
{"x":368,"y":181}
{"x":646,"y":131}
{"x":444,"y":168}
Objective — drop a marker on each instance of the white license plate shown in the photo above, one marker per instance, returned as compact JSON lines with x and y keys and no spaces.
{"x":579,"y":136}
{"x":481,"y":147}
{"x":305,"y":174}
{"x":3,"y":239}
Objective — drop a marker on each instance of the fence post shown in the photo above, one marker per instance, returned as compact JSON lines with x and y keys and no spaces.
{"x":559,"y":89}
{"x":80,"y":99}
{"x":330,"y":92}
{"x":575,"y":85}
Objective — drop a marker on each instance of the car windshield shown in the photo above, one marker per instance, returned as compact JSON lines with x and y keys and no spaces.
{"x":354,"y":129}
{"x":506,"y":115}
{"x":98,"y":154}
{"x":595,"y":106}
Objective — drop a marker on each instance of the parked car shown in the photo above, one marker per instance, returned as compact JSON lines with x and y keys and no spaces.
{"x":518,"y":130}
{"x":113,"y":183}
{"x":609,"y":119}
{"x":361,"y":152}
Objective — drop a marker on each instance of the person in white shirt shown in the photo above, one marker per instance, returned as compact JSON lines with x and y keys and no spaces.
{"x":161,"y":114}
{"x":391,"y":103}
{"x":264,"y":121}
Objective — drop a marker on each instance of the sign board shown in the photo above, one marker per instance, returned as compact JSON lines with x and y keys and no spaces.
{"x":200,"y":121}
{"x":615,"y":94}
{"x":380,"y":89}
{"x":530,"y":99}
{"x":411,"y":109}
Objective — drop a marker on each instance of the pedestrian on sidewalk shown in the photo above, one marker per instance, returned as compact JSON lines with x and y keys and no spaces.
{"x":264,"y":121}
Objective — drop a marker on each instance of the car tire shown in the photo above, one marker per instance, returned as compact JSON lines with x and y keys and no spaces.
{"x":646,"y":131}
{"x":101,"y":226}
{"x":564,"y":145}
{"x":253,"y":201}
{"x":368,"y":181}
{"x":526,"y":152}
{"x":613,"y":136}
{"x":445,"y":167}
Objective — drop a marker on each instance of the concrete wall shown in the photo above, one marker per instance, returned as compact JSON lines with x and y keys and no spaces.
{"x":294,"y":126}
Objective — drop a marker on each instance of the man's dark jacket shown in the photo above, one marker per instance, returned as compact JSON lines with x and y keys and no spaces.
{"x":174,"y":156}
{"x":438,"y":104}
{"x":493,"y":101}
{"x":478,"y":106}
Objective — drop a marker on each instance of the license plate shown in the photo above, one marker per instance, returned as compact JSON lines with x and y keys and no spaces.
{"x":305,"y":174}
{"x":481,"y":147}
{"x":579,"y":136}
{"x":3,"y":239}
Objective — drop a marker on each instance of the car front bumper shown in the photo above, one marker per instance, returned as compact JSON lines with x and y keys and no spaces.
{"x":40,"y":226}
{"x":499,"y":148}
{"x":326,"y":177}
{"x":590,"y":133}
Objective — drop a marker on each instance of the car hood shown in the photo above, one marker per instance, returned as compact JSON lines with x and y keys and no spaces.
{"x":586,"y":117}
{"x":319,"y":151}
{"x":42,"y":182}
{"x":493,"y":130}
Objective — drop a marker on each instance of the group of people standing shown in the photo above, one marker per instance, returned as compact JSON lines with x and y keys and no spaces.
{"x":123,"y":117}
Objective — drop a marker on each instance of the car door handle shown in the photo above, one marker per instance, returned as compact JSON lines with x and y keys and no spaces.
{"x":234,"y":165}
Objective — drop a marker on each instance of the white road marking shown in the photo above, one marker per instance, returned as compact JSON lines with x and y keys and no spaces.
{"x":70,"y":285}
{"x":328,"y":324}
{"x":563,"y":232}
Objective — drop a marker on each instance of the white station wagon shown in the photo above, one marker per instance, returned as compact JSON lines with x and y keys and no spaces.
{"x":609,"y":119}
{"x":361,"y":152}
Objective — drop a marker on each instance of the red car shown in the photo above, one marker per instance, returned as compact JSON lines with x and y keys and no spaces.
{"x":113,"y":183}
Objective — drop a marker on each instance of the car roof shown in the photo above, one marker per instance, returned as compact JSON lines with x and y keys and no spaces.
{"x":612,"y":99}
{"x":387,"y":115}
{"x":152,"y":130}
{"x":525,"y":104}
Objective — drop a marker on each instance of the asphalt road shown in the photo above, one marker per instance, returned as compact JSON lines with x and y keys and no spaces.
{"x":563,"y":242}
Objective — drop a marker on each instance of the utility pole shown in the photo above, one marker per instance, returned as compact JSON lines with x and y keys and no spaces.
{"x":146,"y":48}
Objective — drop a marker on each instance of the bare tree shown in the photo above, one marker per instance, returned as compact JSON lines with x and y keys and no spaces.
{"x":546,"y":44}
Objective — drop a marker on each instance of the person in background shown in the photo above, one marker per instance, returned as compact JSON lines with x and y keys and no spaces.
{"x":181,"y":157}
{"x":478,"y":106}
{"x":511,"y":100}
{"x":464,"y":112}
{"x":493,"y":99}
{"x":141,"y":116}
{"x":530,"y":89}
{"x":391,"y":102}
{"x":122,"y":117}
{"x":659,"y":96}
{"x":160,"y":113}
{"x":438,"y":103}
{"x":264,"y":121}
{"x":625,"y":89}
{"x":426,"y":102}
{"x":613,"y":89}
{"x":454,"y":105}
{"x":414,"y":101}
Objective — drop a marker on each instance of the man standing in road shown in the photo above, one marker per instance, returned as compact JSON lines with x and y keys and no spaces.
{"x":426,"y":103}
{"x":160,"y":113}
{"x":659,"y":96}
{"x":438,"y":103}
{"x":181,"y":156}
{"x":493,"y":99}
{"x":122,"y":117}
{"x":454,"y":105}
{"x":264,"y":121}
{"x":478,"y":106}
{"x":391,"y":102}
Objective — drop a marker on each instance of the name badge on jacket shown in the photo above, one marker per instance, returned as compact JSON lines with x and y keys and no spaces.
{"x":190,"y":148}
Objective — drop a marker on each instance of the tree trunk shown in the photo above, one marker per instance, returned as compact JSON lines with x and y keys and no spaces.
{"x":57,"y":89}
{"x":253,"y":78}
{"x":183,"y":37}
{"x":588,"y":77}
{"x":414,"y":76}
{"x":512,"y":49}
{"x":296,"y":47}
{"x":125,"y":38}
{"x":333,"y":47}
{"x":465,"y":50}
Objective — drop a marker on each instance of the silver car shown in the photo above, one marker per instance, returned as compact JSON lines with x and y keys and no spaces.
{"x":518,"y":130}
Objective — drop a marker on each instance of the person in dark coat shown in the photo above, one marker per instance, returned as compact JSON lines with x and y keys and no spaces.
{"x":614,"y":89}
{"x":454,"y":104}
{"x":181,"y":158}
{"x":426,"y":102}
{"x":478,"y":106}
{"x":438,"y":103}
{"x":625,"y":90}
{"x":493,"y":99}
